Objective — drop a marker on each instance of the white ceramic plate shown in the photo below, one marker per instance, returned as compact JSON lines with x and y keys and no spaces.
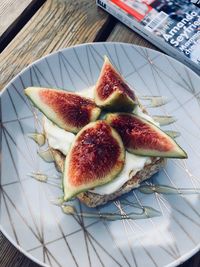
{"x":47,"y":235}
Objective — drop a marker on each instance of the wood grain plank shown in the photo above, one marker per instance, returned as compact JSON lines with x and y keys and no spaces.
{"x":121,"y":33}
{"x":15,"y":18}
{"x":57,"y":24}
{"x":10,"y":10}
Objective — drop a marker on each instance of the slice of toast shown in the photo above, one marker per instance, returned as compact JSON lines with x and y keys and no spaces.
{"x":92,"y":199}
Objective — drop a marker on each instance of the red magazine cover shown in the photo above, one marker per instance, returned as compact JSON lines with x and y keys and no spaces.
{"x":172,"y":25}
{"x":138,"y":9}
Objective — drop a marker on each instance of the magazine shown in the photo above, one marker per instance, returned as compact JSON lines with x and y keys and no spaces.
{"x":173,"y":26}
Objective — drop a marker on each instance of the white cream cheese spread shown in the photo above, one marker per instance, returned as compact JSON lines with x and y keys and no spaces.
{"x":132,"y":165}
{"x":61,"y":140}
{"x":57,"y":137}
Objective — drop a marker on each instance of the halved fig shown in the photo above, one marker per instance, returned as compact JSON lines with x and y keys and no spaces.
{"x":111,"y":90}
{"x":143,"y":138}
{"x":96,"y":156}
{"x":67,"y":110}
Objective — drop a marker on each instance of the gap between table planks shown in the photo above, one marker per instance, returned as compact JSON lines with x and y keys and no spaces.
{"x":10,"y":10}
{"x":121,"y":33}
{"x":14,"y":14}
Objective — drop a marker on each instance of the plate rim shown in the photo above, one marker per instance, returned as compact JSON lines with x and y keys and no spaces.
{"x":176,"y":262}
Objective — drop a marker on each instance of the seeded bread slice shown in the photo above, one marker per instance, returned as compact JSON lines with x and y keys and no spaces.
{"x":92,"y":199}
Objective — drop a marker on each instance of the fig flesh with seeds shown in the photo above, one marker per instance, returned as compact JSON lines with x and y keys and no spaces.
{"x":96,"y":157}
{"x":67,"y":110}
{"x":143,"y":138}
{"x":111,"y":90}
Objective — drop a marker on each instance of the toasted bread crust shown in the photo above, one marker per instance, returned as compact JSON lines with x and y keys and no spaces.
{"x":92,"y":199}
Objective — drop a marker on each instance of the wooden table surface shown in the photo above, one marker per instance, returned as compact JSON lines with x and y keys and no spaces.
{"x":30,"y":29}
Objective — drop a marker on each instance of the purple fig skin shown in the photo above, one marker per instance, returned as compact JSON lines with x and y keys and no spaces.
{"x":143,"y":138}
{"x":67,"y":110}
{"x":112,"y":92}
